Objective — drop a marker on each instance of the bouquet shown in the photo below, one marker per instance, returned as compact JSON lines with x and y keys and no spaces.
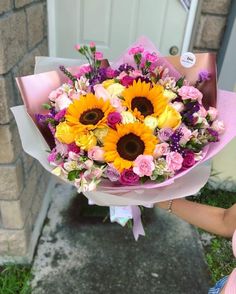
{"x":126,"y":132}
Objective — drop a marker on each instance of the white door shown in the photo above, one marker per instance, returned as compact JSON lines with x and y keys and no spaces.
{"x":114,"y":24}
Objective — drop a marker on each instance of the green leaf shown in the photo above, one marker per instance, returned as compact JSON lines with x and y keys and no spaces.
{"x":47,"y":106}
{"x":180,"y":82}
{"x":74,"y":174}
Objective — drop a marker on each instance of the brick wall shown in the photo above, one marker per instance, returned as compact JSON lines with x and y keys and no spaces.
{"x":23,"y":35}
{"x":211,"y":25}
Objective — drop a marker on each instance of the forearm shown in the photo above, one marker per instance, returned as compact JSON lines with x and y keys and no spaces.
{"x":216,"y":220}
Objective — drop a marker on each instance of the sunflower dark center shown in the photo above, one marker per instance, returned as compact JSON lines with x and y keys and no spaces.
{"x":91,"y":116}
{"x":130,"y":146}
{"x":143,"y":105}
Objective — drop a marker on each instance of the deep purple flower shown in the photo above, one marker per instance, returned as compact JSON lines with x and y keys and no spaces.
{"x":113,"y":118}
{"x":128,"y":177}
{"x":213,"y":136}
{"x":143,"y":79}
{"x":174,"y":141}
{"x":165,"y":134}
{"x":127,"y":81}
{"x":125,"y":67}
{"x":60,"y":115}
{"x":189,"y":159}
{"x":112,"y":174}
{"x":42,"y":118}
{"x":203,"y":76}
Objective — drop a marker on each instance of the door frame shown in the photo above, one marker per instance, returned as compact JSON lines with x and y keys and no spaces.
{"x":51,"y":12}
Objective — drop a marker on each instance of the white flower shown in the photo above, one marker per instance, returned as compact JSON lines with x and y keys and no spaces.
{"x":151,"y":122}
{"x":127,"y":117}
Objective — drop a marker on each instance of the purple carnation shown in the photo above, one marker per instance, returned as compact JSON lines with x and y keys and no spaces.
{"x":128,"y":177}
{"x":165,"y":134}
{"x":204,"y":75}
{"x":112,"y":174}
{"x":113,"y":118}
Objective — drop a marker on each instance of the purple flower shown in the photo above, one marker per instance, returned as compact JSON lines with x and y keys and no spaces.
{"x":110,"y":73}
{"x":189,"y":159}
{"x":165,"y":134}
{"x":113,"y":118}
{"x":128,"y":177}
{"x":60,"y":115}
{"x":125,"y":67}
{"x":112,"y":174}
{"x":213,"y":136}
{"x":203,"y":76}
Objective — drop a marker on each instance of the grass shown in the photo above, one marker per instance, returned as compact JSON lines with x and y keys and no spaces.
{"x":15,"y":279}
{"x":218,"y":252}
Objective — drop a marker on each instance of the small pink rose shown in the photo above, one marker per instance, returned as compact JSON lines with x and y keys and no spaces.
{"x":212,"y":112}
{"x":127,"y":81}
{"x":161,"y":149}
{"x":92,"y":44}
{"x":62,"y":102}
{"x":55,"y":94}
{"x":218,"y":126}
{"x":128,"y":177}
{"x":190,"y":92}
{"x":96,"y":153}
{"x":174,"y":161}
{"x":101,"y":92}
{"x":144,"y":165}
{"x":186,"y":135}
{"x":179,"y":106}
{"x":202,"y":111}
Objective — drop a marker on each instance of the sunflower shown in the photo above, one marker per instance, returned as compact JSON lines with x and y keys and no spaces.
{"x":88,"y":113}
{"x":123,"y":145}
{"x":144,"y":99}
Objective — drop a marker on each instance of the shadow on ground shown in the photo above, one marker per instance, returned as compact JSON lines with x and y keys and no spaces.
{"x":80,"y":254}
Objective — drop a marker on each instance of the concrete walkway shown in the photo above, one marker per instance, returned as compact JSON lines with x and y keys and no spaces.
{"x":84,"y":256}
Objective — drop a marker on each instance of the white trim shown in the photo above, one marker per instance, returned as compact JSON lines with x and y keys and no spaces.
{"x":51,"y":5}
{"x":189,"y":25}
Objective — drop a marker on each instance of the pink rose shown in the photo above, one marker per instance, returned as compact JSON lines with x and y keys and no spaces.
{"x":127,"y":81}
{"x":96,"y":153}
{"x":202,"y":111}
{"x":116,"y":103}
{"x":174,"y":161}
{"x":189,"y":159}
{"x":113,"y":118}
{"x":144,"y":165}
{"x":101,"y":92}
{"x":56,"y":93}
{"x":62,"y":102}
{"x":186,"y":135}
{"x":161,"y":149}
{"x":179,"y":106}
{"x":92,"y":44}
{"x":98,"y":55}
{"x":212,"y":112}
{"x":190,"y":92}
{"x":218,"y":126}
{"x":136,"y":50}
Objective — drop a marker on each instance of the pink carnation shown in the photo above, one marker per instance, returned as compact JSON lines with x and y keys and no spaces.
{"x":136,"y":50}
{"x":174,"y":161}
{"x":144,"y":165}
{"x":190,"y":92}
{"x":151,"y":57}
{"x":98,"y":55}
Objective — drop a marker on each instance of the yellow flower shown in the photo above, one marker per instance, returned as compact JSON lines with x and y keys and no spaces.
{"x":65,"y":133}
{"x":88,"y":113}
{"x":170,"y":118}
{"x":115,"y":89}
{"x":151,"y":122}
{"x":123,"y":145}
{"x":86,"y":141}
{"x":100,"y":134}
{"x":108,"y":83}
{"x":127,"y":117}
{"x":144,"y":99}
{"x":170,"y":94}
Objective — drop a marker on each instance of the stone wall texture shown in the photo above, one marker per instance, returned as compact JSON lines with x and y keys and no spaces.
{"x":211,"y":25}
{"x":23,"y":182}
